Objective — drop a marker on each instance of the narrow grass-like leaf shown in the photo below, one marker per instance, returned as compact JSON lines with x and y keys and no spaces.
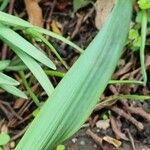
{"x":4,"y":5}
{"x":36,"y":70}
{"x":20,"y":23}
{"x":13,"y":21}
{"x":115,"y":98}
{"x":77,"y":94}
{"x":46,"y":42}
{"x":4,"y":64}
{"x":4,"y":79}
{"x":15,"y":41}
{"x":54,"y":73}
{"x":13,"y":90}
{"x":125,"y":82}
{"x":29,"y":89}
{"x":54,"y":35}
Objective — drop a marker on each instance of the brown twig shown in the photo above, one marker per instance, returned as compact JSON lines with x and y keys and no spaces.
{"x":139,"y":111}
{"x":122,"y":113}
{"x":95,"y":137}
{"x":117,"y":130}
{"x":131,"y":139}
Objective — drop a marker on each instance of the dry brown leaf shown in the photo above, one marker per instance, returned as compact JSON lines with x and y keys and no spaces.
{"x":56,"y":27}
{"x":34,"y":12}
{"x":103,"y":8}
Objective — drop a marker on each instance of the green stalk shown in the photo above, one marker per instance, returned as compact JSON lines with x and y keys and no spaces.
{"x":29,"y":89}
{"x":115,"y":98}
{"x":76,"y":96}
{"x":142,"y":48}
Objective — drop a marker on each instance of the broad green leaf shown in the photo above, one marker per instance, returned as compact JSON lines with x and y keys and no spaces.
{"x":15,"y":41}
{"x":13,"y":90}
{"x":4,"y":138}
{"x":4,"y":79}
{"x":37,"y":71}
{"x":4,"y":64}
{"x":76,"y":95}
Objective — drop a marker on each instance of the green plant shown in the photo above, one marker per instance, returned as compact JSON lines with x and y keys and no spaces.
{"x":77,"y":94}
{"x":4,"y":138}
{"x":144,"y":4}
{"x":28,"y":53}
{"x":77,"y":4}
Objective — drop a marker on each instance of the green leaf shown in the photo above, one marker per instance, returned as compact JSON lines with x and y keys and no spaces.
{"x":4,"y":79}
{"x":133,"y":34}
{"x":39,"y":36}
{"x":35,"y":112}
{"x":13,"y":20}
{"x":13,"y":90}
{"x":4,"y":64}
{"x":4,"y":5}
{"x":37,"y":71}
{"x":139,"y":17}
{"x":76,"y":95}
{"x":22,"y":24}
{"x":137,"y":42}
{"x":77,"y":4}
{"x":54,"y":35}
{"x":4,"y":138}
{"x":60,"y":147}
{"x":144,"y":4}
{"x":15,"y":41}
{"x":29,"y":89}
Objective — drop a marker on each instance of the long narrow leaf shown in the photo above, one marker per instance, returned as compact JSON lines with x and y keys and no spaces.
{"x":36,"y":70}
{"x":4,"y":64}
{"x":77,"y":94}
{"x":13,"y":21}
{"x":15,"y":41}
{"x":54,"y":35}
{"x":13,"y":90}
{"x":20,"y":23}
{"x":4,"y":79}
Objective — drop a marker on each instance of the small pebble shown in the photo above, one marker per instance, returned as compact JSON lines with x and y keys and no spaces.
{"x":74,"y":140}
{"x":82,"y":142}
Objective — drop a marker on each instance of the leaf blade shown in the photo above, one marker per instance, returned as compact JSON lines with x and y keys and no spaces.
{"x":79,"y":91}
{"x":13,"y":39}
